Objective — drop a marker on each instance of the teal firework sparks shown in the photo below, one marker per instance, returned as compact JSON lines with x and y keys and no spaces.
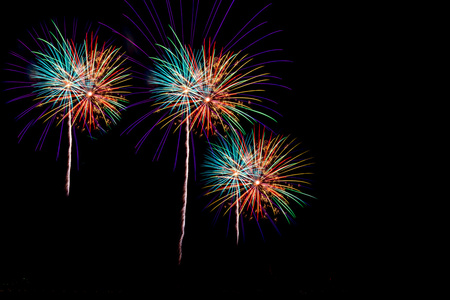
{"x":260,"y":176}
{"x":57,"y":73}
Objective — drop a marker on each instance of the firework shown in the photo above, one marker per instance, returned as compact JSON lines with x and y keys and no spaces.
{"x":261,"y":176}
{"x":80,"y":84}
{"x":192,"y":84}
{"x":102,"y":87}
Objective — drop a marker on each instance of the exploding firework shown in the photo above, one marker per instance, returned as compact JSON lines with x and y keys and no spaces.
{"x":80,"y":84}
{"x":207,"y":88}
{"x":261,"y":176}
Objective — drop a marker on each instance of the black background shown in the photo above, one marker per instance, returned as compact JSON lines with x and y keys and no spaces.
{"x":118,"y":230}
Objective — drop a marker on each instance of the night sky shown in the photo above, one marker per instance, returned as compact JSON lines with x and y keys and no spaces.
{"x":118,"y":230}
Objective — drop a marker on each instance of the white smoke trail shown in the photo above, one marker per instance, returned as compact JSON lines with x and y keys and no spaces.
{"x":185,"y":190}
{"x":69,"y":155}
{"x":237,"y":222}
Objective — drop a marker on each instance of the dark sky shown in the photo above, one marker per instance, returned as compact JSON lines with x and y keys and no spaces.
{"x":120,"y":226}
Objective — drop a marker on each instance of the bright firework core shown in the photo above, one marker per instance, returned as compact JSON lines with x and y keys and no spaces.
{"x":89,"y":94}
{"x":257,"y":182}
{"x":207,"y":99}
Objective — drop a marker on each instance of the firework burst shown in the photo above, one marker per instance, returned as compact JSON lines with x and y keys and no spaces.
{"x":80,"y":84}
{"x":208,"y":88}
{"x":261,"y":176}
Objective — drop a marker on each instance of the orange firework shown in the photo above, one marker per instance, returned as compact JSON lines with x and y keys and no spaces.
{"x":222,"y":95}
{"x":101,"y":88}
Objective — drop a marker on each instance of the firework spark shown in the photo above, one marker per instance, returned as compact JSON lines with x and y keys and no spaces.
{"x":260,"y":176}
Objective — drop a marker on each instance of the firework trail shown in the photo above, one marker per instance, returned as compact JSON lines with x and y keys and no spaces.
{"x":185,"y":193}
{"x":236,"y":211}
{"x":80,"y":83}
{"x":260,"y":176}
{"x":69,"y":155}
